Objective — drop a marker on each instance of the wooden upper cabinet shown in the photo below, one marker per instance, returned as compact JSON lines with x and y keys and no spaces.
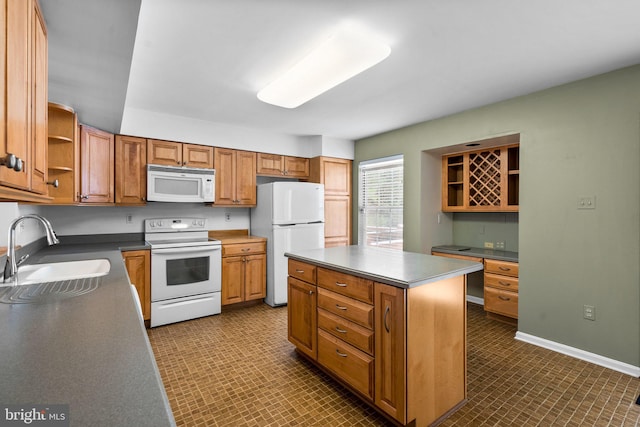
{"x":179,"y":154}
{"x":23,"y":104}
{"x":38,"y":166}
{"x":283,"y":166}
{"x":197,"y":156}
{"x":131,"y":170}
{"x":96,"y":166}
{"x":164,"y":152}
{"x":235,"y":177}
{"x":484,"y":180}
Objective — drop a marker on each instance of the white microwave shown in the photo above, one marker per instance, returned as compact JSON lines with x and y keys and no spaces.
{"x":179,"y":184}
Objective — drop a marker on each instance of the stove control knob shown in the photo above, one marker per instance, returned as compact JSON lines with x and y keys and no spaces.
{"x":195,"y":222}
{"x":151,"y":224}
{"x":201,"y":222}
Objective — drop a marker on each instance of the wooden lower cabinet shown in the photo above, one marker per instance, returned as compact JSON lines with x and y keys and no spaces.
{"x":501,"y":287}
{"x":301,"y":310}
{"x":244,"y":272}
{"x":138,"y":264}
{"x":401,"y":350}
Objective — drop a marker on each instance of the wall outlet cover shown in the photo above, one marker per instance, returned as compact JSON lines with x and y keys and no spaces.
{"x":488,"y":245}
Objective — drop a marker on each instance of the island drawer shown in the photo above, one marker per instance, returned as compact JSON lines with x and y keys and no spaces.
{"x":501,"y":267}
{"x":357,"y":336}
{"x":501,"y":282}
{"x":501,"y":302}
{"x":348,"y":308}
{"x":302,"y":271}
{"x":243,"y":249}
{"x":345,"y":284}
{"x":347,"y":362}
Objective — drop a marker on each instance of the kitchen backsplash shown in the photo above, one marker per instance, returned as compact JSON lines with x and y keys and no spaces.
{"x":476,"y":228}
{"x":74,"y":220}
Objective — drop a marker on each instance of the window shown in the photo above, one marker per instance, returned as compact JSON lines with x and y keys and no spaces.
{"x":381,"y":202}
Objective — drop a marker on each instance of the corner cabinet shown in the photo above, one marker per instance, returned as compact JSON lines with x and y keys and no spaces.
{"x":401,"y":350}
{"x":235,"y":177}
{"x":485,"y":180}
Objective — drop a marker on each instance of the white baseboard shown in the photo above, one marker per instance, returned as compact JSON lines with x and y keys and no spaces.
{"x":475,"y":300}
{"x":625,"y":368}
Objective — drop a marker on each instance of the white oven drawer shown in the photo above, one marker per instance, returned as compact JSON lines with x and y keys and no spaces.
{"x":179,"y":309}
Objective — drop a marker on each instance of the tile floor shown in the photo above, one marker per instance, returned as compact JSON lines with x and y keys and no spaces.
{"x":238,"y":369}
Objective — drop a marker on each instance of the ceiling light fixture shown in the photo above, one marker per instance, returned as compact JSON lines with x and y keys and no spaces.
{"x":340,"y":57}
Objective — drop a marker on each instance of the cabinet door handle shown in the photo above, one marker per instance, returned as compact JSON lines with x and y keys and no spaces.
{"x":342,"y":285}
{"x":342,"y":331}
{"x":310,"y":292}
{"x":340,"y":354}
{"x":504,"y":268}
{"x":341,"y":307}
{"x":504,"y":298}
{"x":384,"y":320}
{"x":504,"y":283}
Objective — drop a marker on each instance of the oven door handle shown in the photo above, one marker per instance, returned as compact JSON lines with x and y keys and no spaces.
{"x":185,"y":250}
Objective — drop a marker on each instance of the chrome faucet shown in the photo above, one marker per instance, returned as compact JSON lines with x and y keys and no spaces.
{"x":11,"y":267}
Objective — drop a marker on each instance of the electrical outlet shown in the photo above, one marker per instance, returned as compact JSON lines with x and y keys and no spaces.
{"x":227,"y":216}
{"x":488,"y":245}
{"x":500,"y":245}
{"x":128,"y":218}
{"x":589,"y":312}
{"x":587,"y":202}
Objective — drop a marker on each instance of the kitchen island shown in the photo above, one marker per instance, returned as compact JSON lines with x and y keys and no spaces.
{"x":90,"y":352}
{"x":390,"y":325}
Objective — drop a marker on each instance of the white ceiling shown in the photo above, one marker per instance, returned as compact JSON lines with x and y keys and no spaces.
{"x":207,"y":59}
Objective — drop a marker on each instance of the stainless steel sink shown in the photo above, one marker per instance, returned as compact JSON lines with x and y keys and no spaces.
{"x":59,"y":271}
{"x":44,"y":283}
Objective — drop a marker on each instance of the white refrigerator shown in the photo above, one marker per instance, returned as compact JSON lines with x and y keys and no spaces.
{"x":291,"y":216}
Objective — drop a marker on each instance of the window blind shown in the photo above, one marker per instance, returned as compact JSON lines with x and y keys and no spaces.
{"x":381,"y":202}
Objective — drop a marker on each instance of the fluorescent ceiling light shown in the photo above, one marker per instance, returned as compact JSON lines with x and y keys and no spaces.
{"x":340,"y":57}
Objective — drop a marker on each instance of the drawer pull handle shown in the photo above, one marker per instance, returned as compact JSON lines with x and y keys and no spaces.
{"x":340,"y":354}
{"x":300,"y":271}
{"x":386,"y":313}
{"x":245,"y":249}
{"x":341,"y":307}
{"x":504,"y":268}
{"x":342,"y":331}
{"x":504,"y":283}
{"x":504,"y":298}
{"x":342,"y":285}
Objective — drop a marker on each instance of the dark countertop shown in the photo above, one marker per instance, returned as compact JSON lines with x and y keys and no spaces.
{"x":392,"y":267}
{"x":477,"y":252}
{"x":90,"y":352}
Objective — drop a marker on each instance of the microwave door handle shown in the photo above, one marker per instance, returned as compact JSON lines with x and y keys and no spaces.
{"x":185,"y":250}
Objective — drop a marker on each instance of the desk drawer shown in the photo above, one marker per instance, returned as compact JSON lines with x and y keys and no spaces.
{"x":348,"y":308}
{"x":348,"y":363}
{"x":357,"y":336}
{"x":505,"y":283}
{"x":501,"y":267}
{"x":501,"y":302}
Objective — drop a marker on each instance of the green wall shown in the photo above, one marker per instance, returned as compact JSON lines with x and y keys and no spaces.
{"x":579,"y":139}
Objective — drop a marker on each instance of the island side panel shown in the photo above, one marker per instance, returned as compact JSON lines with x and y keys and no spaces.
{"x":436,"y":353}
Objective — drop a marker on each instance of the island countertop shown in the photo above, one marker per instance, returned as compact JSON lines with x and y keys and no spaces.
{"x":392,"y":267}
